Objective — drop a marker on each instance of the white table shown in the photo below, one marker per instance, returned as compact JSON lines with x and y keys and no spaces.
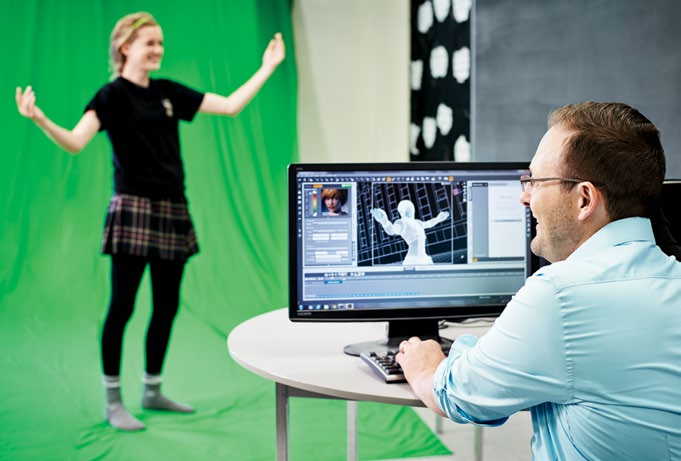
{"x":307,"y":360}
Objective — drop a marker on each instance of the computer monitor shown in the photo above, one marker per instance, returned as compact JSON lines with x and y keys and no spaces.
{"x":410,"y":244}
{"x":666,"y":219}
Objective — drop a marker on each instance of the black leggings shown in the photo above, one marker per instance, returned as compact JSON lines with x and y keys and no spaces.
{"x":126,"y":275}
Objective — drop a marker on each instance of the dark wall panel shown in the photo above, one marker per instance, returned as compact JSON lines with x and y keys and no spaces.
{"x":534,"y":55}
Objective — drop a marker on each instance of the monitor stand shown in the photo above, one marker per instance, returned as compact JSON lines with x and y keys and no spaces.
{"x":398,"y":331}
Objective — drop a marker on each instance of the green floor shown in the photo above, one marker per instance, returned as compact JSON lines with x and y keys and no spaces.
{"x":52,"y":402}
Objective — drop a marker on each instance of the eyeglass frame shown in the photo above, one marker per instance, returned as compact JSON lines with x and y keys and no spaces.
{"x":528,"y":179}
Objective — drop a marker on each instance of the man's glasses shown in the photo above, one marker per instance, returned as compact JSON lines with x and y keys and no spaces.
{"x":527,"y":182}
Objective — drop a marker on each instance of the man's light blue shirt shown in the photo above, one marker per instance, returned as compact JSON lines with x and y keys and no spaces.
{"x":591,"y":345}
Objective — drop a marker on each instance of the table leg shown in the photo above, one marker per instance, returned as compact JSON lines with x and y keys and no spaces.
{"x":438,"y":424}
{"x":477,"y":437}
{"x":281,"y":403}
{"x":352,"y":430}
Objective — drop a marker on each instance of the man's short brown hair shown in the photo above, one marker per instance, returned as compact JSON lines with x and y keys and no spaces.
{"x":617,"y":149}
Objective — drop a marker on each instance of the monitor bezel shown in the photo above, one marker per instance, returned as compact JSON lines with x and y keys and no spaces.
{"x":388,"y":314}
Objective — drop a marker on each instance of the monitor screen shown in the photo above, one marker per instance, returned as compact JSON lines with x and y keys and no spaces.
{"x":408,"y":243}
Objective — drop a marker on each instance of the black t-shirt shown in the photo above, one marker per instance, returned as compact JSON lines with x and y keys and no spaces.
{"x":143,"y":127}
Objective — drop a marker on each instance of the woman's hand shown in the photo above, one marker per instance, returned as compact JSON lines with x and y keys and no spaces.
{"x":275,"y":52}
{"x":72,"y":141}
{"x":233,"y":104}
{"x":26,"y":105}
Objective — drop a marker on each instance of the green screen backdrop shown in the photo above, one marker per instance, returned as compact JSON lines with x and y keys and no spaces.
{"x":54,"y":283}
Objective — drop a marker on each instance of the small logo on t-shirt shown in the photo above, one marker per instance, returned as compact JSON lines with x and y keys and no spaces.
{"x":168,"y":106}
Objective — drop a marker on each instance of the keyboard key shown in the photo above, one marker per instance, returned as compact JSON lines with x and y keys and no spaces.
{"x":384,"y":365}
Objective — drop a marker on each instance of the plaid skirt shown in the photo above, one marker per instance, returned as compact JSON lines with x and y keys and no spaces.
{"x":155,"y":229}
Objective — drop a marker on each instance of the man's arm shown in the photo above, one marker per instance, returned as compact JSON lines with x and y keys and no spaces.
{"x":419,"y":361}
{"x":518,"y":364}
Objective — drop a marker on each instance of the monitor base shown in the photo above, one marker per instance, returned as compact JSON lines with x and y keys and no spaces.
{"x":398,"y":331}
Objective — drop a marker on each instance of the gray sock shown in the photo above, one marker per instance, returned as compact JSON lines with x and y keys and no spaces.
{"x":115,"y":412}
{"x":152,"y":399}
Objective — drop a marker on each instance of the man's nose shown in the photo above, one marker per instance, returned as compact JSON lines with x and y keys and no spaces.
{"x":525,"y":198}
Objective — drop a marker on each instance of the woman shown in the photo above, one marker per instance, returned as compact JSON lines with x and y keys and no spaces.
{"x":148,"y":221}
{"x":334,"y":199}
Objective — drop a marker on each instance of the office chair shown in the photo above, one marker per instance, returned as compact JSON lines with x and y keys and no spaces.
{"x":666,"y":218}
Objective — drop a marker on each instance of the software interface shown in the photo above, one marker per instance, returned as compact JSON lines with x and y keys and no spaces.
{"x":391,"y":239}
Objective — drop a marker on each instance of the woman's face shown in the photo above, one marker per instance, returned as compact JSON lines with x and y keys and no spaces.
{"x":332,"y":204}
{"x":146,"y":50}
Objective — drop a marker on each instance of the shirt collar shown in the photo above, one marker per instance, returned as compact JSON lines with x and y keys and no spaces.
{"x":615,"y":233}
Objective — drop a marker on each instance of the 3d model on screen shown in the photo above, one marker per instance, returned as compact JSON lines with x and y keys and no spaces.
{"x":412,"y":230}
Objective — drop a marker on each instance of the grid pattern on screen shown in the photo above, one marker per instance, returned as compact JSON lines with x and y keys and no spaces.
{"x":446,"y":241}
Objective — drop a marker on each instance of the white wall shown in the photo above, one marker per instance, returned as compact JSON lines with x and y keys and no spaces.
{"x":353,"y":80}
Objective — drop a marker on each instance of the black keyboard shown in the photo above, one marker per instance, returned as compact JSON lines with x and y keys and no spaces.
{"x":384,"y":365}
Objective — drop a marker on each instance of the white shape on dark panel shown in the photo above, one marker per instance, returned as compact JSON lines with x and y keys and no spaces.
{"x":416,"y":74}
{"x":462,"y":9}
{"x":438,"y":62}
{"x":414,"y":131}
{"x":461,"y":64}
{"x":441,"y":8}
{"x":445,"y":118}
{"x":429,"y":131}
{"x":462,"y":150}
{"x":425,"y":17}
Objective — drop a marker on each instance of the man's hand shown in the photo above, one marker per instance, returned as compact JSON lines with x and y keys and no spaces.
{"x":418,"y":357}
{"x":419,"y":361}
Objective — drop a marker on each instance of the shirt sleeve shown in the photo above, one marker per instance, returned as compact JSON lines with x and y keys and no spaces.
{"x":99,"y":103}
{"x":519,"y":363}
{"x":185,"y":100}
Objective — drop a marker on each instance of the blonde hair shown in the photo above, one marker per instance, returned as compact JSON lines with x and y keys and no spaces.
{"x":125,"y":31}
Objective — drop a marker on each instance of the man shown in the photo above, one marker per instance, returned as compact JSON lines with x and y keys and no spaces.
{"x":591,"y":345}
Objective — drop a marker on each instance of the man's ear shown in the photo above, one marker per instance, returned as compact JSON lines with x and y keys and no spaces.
{"x":590,"y":200}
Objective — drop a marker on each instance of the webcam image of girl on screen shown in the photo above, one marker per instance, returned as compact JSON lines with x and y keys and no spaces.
{"x":411,"y":224}
{"x":334,"y":202}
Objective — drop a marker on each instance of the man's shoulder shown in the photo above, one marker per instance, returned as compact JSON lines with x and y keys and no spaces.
{"x":634,"y":260}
